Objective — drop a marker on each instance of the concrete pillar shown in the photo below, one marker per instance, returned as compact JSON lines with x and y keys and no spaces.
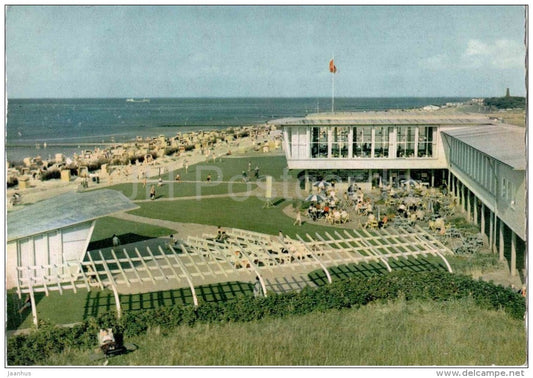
{"x":513,"y":254}
{"x":463,"y":204}
{"x":468,"y":206}
{"x":491,"y":231}
{"x":449,"y":182}
{"x":502,"y":245}
{"x":483,"y":220}
{"x":475,"y":210}
{"x":432,"y":178}
{"x":370,"y":177}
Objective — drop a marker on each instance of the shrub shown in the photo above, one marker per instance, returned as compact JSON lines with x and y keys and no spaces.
{"x":352,"y":292}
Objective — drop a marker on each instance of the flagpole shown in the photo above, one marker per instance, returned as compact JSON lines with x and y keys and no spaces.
{"x":333,"y":88}
{"x":333,"y":92}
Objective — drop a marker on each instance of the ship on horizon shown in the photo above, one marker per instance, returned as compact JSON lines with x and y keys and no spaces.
{"x":134,"y":100}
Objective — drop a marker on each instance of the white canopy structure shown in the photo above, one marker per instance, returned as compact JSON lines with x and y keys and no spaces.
{"x":281,"y":264}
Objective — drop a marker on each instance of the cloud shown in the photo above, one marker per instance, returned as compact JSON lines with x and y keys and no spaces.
{"x":498,"y":54}
{"x":501,"y":54}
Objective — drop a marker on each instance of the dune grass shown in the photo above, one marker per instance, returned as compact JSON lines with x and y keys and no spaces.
{"x":397,"y":333}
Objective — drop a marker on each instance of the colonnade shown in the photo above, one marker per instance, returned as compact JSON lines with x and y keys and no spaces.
{"x":476,"y":212}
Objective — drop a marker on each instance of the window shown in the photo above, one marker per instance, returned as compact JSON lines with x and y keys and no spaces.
{"x":425,"y":141}
{"x":381,"y":142}
{"x":319,"y":142}
{"x":339,"y":144}
{"x":405,"y":139}
{"x":362,"y":141}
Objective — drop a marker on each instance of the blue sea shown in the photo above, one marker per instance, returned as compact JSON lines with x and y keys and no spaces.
{"x":70,"y":125}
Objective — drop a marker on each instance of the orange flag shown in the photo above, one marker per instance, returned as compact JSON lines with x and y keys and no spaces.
{"x":332,"y":67}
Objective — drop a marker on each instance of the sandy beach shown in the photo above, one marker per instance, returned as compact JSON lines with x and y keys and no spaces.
{"x":256,"y":138}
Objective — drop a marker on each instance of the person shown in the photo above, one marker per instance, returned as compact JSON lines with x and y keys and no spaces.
{"x":244,"y":176}
{"x":249,"y":166}
{"x":174,"y":240}
{"x":298,"y":220}
{"x":152,"y":192}
{"x":27,"y":304}
{"x":186,"y":166}
{"x":15,"y":199}
{"x":256,"y":172}
{"x":178,"y":177}
{"x":116,"y":241}
{"x":91,"y":274}
{"x":219,"y":234}
{"x":208,"y":178}
{"x":280,"y":235}
{"x":258,"y":289}
{"x":160,"y":182}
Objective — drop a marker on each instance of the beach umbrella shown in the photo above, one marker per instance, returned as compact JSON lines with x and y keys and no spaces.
{"x":322,"y":183}
{"x":315,"y":198}
{"x":410,"y":182}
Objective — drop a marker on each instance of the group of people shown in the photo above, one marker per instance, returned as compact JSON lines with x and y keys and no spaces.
{"x":245,"y":173}
{"x":318,"y":210}
{"x":221,"y":235}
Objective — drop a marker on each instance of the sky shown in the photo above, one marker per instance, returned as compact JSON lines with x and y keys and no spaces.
{"x":264,"y":51}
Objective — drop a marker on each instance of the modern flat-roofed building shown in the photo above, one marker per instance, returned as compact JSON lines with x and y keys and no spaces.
{"x":481,"y":160}
{"x":56,"y":231}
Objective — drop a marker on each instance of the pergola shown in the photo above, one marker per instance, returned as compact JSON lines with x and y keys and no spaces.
{"x":280,"y":263}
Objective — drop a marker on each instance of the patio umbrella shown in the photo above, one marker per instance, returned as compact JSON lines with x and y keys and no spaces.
{"x":410,"y":182}
{"x":322,"y":183}
{"x":314,"y":198}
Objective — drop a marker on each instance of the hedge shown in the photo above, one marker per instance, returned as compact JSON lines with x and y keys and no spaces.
{"x":34,"y":347}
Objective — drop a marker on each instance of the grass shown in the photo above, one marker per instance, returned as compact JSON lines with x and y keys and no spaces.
{"x":136,"y":191}
{"x":244,"y":213}
{"x":397,"y":333}
{"x":127,"y":232}
{"x":82,"y":305}
{"x":229,"y":168}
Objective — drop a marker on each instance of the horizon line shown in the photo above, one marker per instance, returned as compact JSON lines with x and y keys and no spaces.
{"x":242,"y":97}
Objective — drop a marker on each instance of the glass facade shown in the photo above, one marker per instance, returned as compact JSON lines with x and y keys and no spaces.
{"x":376,"y":142}
{"x":425,"y":141}
{"x":381,"y":142}
{"x":319,"y":142}
{"x":405,"y":142}
{"x":362,"y":142}
{"x":339,"y":144}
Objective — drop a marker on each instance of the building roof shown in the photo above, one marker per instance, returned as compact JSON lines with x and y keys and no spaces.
{"x":506,"y":143}
{"x":385,"y":118}
{"x":65,"y":210}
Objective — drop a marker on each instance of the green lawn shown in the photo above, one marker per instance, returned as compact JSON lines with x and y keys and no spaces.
{"x":127,"y":232}
{"x":230,"y":168}
{"x":84,"y":304}
{"x":136,"y":191}
{"x":248,"y":214}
